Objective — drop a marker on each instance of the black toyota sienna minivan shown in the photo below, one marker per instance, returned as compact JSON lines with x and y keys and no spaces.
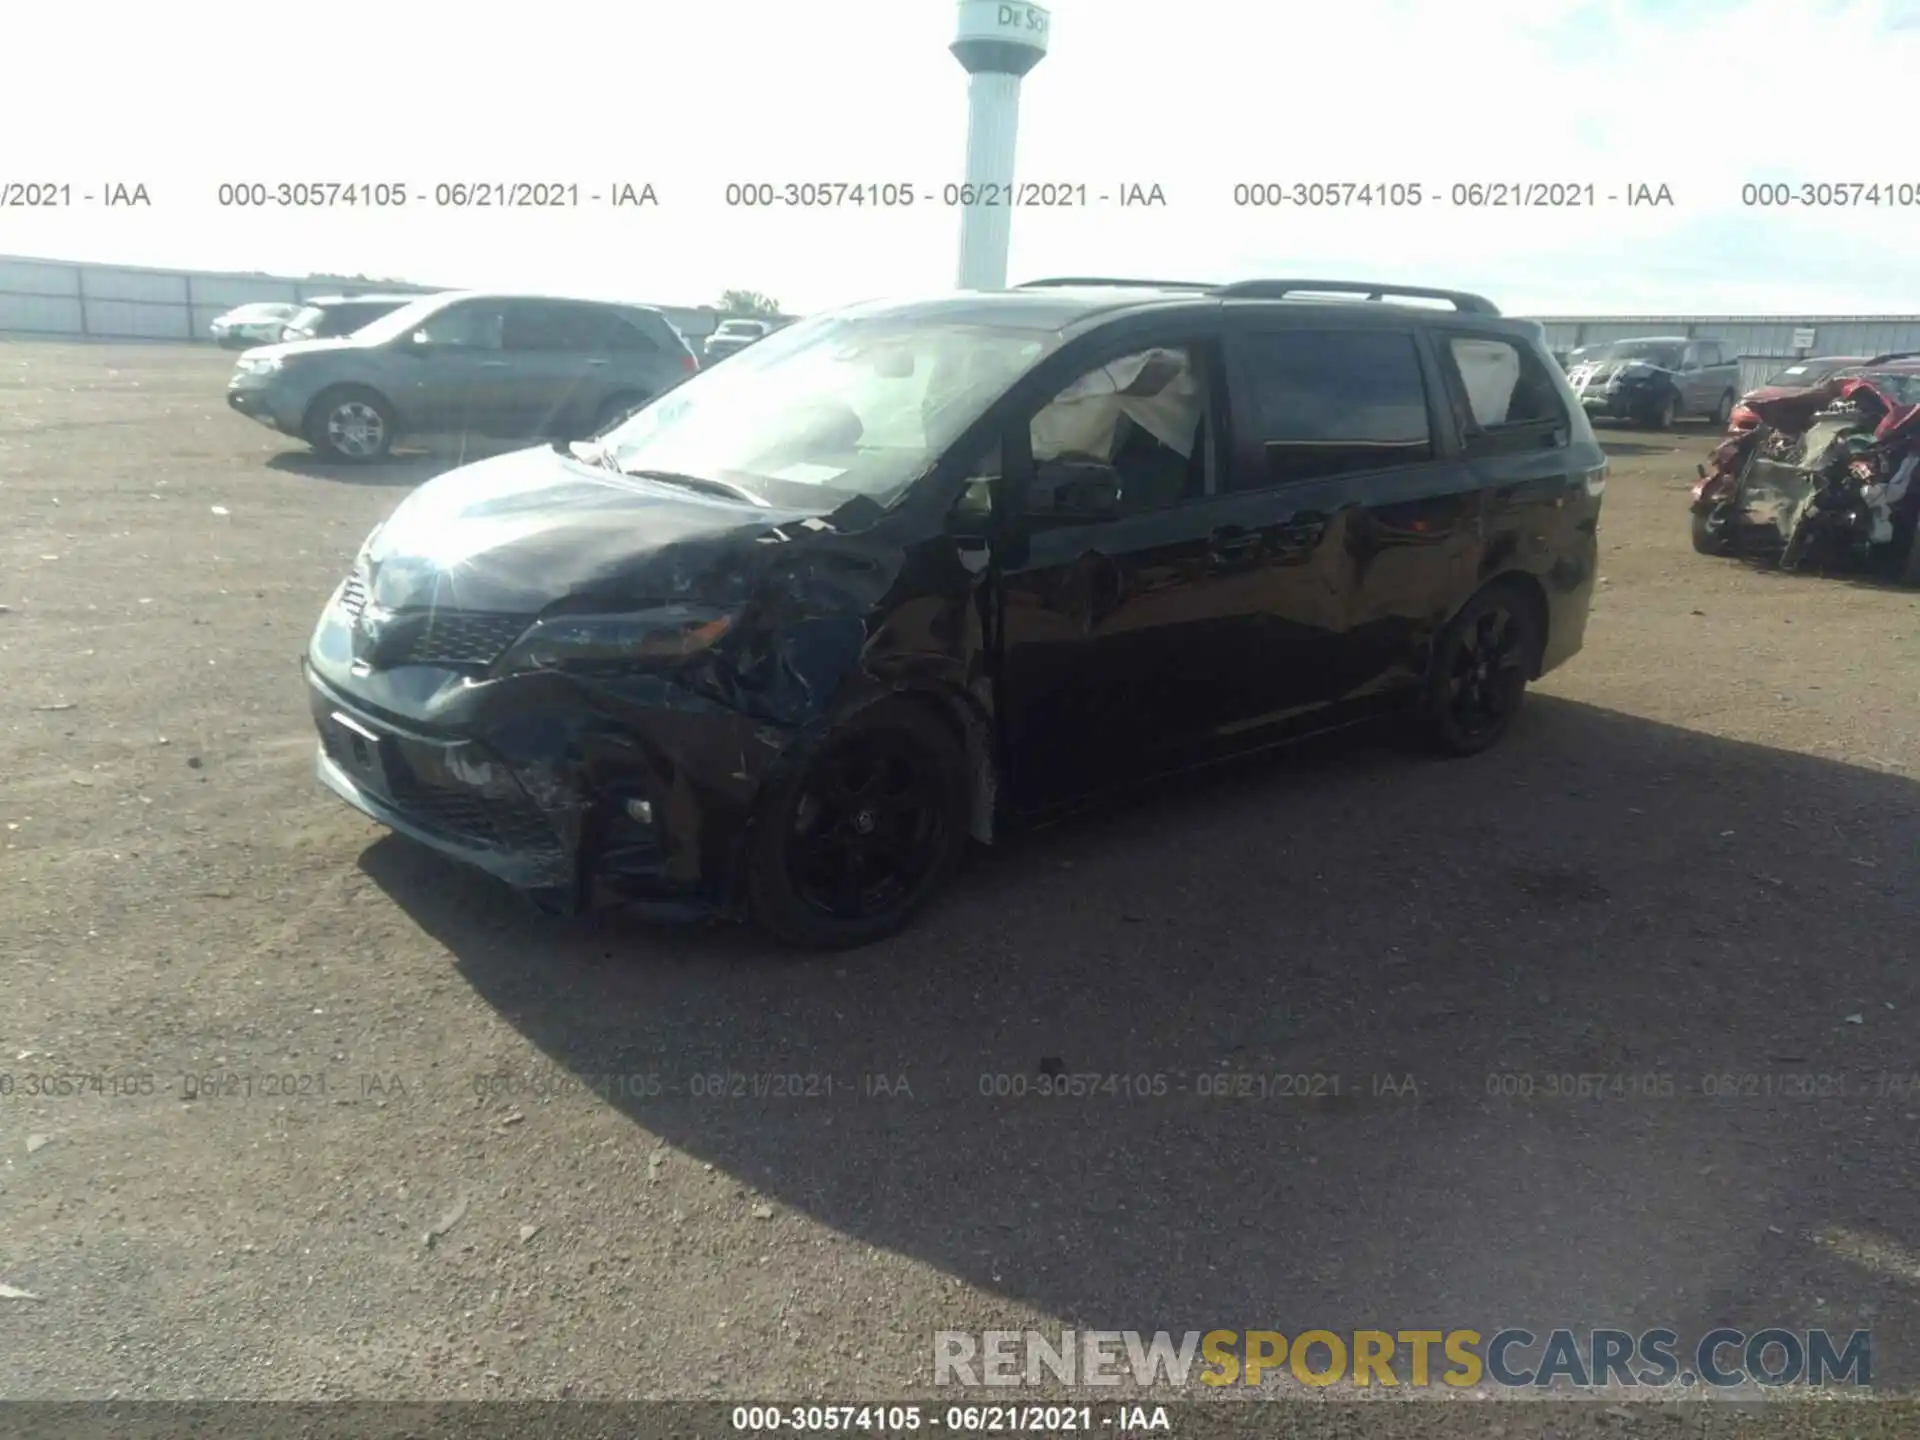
{"x":900,"y":575}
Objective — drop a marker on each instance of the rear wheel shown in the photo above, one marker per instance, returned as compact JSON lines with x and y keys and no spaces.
{"x":351,"y":424}
{"x":1723,"y":412}
{"x":849,"y":849}
{"x":1480,"y":671}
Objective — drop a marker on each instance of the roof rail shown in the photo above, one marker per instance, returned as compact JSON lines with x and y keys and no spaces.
{"x":1078,"y":282}
{"x":1893,"y":355}
{"x":1462,"y":300}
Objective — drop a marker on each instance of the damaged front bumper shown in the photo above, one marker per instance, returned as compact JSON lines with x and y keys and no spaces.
{"x":575,"y":793}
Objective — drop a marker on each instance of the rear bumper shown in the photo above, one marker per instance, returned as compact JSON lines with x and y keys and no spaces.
{"x":1570,"y":585}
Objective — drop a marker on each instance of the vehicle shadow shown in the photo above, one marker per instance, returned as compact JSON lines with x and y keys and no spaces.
{"x":1310,"y":1018}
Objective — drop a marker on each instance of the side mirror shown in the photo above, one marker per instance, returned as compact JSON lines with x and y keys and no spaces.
{"x":1074,"y":489}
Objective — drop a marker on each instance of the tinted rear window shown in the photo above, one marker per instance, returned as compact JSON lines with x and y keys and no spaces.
{"x":1333,"y":402}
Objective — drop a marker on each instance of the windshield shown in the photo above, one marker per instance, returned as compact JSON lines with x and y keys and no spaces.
{"x":1663,"y":353}
{"x":830,"y":408}
{"x":401,"y":321}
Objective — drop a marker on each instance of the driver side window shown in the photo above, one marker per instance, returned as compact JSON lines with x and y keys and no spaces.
{"x":475,"y":327}
{"x":1146,"y":415}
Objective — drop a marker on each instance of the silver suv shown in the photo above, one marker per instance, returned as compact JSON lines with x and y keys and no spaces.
{"x":509,"y":366}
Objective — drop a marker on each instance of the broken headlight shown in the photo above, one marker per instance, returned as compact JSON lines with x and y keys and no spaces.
{"x":662,"y":634}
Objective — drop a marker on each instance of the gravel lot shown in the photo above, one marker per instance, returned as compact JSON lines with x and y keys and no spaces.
{"x":1692,"y":860}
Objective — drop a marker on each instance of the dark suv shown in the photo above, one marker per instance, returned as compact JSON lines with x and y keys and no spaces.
{"x":1656,"y":381}
{"x":496,"y":365}
{"x":907,"y":572}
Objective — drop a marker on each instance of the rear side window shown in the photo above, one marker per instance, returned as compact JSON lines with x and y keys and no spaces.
{"x":630,"y":333}
{"x":349,"y":318}
{"x":534,"y":325}
{"x":1335,"y":402}
{"x":1504,"y":383}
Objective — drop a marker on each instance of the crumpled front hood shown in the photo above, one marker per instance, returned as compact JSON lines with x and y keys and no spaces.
{"x":521,"y":531}
{"x":1600,"y":372}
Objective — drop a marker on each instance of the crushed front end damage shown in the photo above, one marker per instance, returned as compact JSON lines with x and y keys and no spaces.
{"x":1824,"y":478}
{"x":582,"y":781}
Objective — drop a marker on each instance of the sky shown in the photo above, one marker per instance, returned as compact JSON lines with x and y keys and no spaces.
{"x":1195,"y":97}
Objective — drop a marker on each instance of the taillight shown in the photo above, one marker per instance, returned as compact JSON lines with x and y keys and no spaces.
{"x":689,"y":364}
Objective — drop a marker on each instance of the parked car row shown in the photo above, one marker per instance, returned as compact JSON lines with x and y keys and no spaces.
{"x":893,"y":577}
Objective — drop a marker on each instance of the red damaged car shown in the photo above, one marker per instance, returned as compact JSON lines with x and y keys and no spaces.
{"x":1800,"y":376}
{"x":1823,"y":476}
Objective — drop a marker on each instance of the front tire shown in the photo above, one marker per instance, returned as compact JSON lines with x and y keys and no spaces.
{"x":351,"y":424}
{"x":1708,"y":538}
{"x":848,"y":850}
{"x":1480,"y":672}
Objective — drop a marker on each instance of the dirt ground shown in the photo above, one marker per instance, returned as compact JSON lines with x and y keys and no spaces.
{"x":443,"y":1149}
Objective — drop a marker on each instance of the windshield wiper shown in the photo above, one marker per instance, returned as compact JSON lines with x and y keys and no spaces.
{"x":690,"y":482}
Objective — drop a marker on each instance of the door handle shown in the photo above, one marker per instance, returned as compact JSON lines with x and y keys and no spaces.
{"x":597,"y":362}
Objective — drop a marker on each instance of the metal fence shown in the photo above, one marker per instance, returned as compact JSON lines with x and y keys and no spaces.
{"x":53,"y":299}
{"x":67,"y":300}
{"x":1764,"y":343}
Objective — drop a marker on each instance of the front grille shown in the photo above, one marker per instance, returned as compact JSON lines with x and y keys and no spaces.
{"x":468,"y":815}
{"x":432,"y":637}
{"x":456,"y":637}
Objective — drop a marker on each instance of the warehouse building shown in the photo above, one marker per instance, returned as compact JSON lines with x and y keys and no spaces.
{"x":69,"y":300}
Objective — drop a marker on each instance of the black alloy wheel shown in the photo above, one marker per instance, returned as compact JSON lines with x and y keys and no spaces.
{"x":1481,"y":671}
{"x":871,"y":829}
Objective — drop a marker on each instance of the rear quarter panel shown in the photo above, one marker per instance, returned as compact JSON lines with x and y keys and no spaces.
{"x":1538,"y":508}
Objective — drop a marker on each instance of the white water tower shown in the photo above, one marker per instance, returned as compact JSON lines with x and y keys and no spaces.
{"x":997,"y":43}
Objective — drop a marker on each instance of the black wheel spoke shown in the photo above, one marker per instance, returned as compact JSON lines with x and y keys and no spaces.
{"x":876,"y":831}
{"x":1487,"y":672}
{"x":847,"y":880}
